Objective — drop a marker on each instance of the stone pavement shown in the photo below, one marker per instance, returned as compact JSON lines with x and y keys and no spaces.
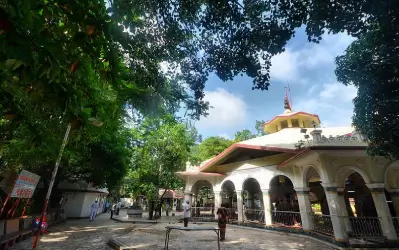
{"x":81,"y":234}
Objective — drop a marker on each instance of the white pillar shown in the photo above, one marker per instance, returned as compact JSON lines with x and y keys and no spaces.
{"x":239,"y":206}
{"x":380,"y":202}
{"x":218,"y":201}
{"x":340,"y":233}
{"x":344,"y":209}
{"x":267,"y":207}
{"x":394,"y":193}
{"x":305,"y":208}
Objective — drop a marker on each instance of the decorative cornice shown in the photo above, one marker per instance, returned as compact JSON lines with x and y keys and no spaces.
{"x":330,"y":187}
{"x":302,"y":190}
{"x":351,"y":139}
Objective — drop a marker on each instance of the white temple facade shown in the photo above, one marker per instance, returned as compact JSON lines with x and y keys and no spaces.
{"x":302,"y":179}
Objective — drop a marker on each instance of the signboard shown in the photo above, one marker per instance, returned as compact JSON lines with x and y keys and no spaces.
{"x":25,"y":185}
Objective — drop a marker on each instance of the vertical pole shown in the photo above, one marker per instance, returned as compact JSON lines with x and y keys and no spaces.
{"x":26,"y":204}
{"x":12,"y":208}
{"x":57,"y":163}
{"x":15,"y":208}
{"x":7,"y":199}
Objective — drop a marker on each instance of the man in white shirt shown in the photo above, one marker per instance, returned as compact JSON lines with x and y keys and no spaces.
{"x":186,"y":214}
{"x":93,"y":211}
{"x":118,"y":207}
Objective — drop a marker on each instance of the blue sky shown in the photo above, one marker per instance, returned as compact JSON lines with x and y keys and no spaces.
{"x":309,"y":70}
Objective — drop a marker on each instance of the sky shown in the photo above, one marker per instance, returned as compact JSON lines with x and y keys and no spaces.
{"x":309,"y":70}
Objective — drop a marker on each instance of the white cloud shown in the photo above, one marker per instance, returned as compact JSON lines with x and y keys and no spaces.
{"x":331,"y":101}
{"x":228,"y":110}
{"x":292,"y":64}
{"x":225,"y":135}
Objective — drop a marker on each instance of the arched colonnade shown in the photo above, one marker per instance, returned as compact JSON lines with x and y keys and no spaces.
{"x":346,"y":205}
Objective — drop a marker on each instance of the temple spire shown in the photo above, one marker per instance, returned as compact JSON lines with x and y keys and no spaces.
{"x":287,"y":104}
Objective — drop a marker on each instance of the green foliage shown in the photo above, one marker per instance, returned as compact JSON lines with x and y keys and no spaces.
{"x":370,"y":65}
{"x":160,"y":147}
{"x":243,"y":135}
{"x":259,"y":128}
{"x":211,"y":147}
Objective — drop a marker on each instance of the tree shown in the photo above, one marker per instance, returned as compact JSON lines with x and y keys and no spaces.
{"x":212,"y":146}
{"x":243,"y":135}
{"x":259,"y":127}
{"x":160,"y":147}
{"x":369,"y":65}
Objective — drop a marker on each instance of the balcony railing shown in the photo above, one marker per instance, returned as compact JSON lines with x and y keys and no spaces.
{"x":286,"y":219}
{"x":365,"y":227}
{"x":322,"y":224}
{"x":395,"y":221}
{"x":254,"y":215}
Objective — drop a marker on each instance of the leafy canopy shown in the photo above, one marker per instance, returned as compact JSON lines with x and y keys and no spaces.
{"x":160,"y":147}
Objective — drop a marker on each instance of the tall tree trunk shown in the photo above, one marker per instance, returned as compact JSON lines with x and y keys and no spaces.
{"x":150,"y":210}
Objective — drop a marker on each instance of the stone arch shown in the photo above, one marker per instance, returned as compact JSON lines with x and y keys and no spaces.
{"x":308,"y":172}
{"x":312,"y":179}
{"x":203,"y":198}
{"x":392,"y":175}
{"x":280,"y":187}
{"x":345,"y":171}
{"x":252,"y":200}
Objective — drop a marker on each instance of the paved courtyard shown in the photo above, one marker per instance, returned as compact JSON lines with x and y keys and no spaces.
{"x":81,"y":234}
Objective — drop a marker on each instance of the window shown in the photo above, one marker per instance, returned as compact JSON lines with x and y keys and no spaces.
{"x":284,"y":124}
{"x":295,"y":123}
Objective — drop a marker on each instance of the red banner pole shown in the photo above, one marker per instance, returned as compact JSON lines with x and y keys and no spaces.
{"x":8,"y":198}
{"x":12,"y":208}
{"x":15,"y":208}
{"x":50,"y":188}
{"x":26,"y":204}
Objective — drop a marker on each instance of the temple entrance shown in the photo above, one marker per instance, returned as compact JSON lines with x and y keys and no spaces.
{"x":253,"y":210}
{"x":284,"y":202}
{"x":202,"y":200}
{"x":362,"y":214}
{"x":320,"y":212}
{"x":229,"y":199}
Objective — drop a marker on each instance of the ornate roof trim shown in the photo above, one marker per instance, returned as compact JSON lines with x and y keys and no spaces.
{"x":289,"y":115}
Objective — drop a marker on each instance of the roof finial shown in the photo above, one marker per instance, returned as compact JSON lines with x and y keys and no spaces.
{"x":287,"y":104}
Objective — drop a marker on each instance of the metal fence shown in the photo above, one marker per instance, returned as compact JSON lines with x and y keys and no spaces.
{"x":286,"y":218}
{"x":365,"y":227}
{"x":322,"y":224}
{"x":232,"y":213}
{"x":395,"y":221}
{"x":202,"y":212}
{"x":254,"y":215}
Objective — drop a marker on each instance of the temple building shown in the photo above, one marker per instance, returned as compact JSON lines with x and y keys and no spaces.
{"x":304,"y":179}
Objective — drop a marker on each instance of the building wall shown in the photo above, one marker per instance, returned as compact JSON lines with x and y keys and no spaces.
{"x":79,"y":198}
{"x":73,"y":204}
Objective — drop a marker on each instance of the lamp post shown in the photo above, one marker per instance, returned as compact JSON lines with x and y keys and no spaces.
{"x":94,"y":122}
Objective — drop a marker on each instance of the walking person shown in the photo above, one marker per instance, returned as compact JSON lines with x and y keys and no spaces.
{"x":93,"y":210}
{"x":222,"y":222}
{"x":118,"y":207}
{"x":167,"y":208}
{"x":186,"y":214}
{"x":113,"y":207}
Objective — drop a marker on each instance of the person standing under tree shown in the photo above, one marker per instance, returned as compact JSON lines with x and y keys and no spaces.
{"x":113,"y":207}
{"x":93,"y":211}
{"x":186,"y":214}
